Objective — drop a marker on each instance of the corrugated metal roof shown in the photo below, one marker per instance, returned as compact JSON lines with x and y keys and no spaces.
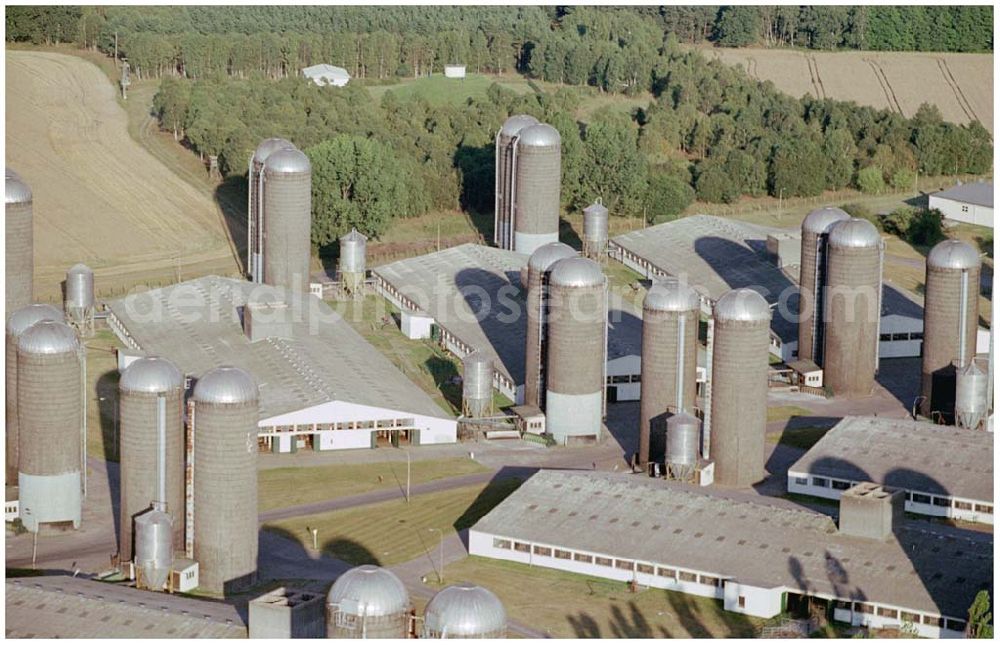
{"x":918,"y":456}
{"x":979,"y":193}
{"x":763,"y":541}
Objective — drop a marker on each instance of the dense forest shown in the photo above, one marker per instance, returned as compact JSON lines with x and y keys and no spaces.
{"x":609,"y":47}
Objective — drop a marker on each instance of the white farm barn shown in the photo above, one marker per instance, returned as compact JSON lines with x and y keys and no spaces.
{"x":324,"y":74}
{"x":969,"y":203}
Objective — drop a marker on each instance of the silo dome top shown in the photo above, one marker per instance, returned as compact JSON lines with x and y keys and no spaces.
{"x":79,"y":268}
{"x":465,"y":610}
{"x":353,"y":236}
{"x":288,"y":160}
{"x":476,"y":357}
{"x":16,"y":191}
{"x":743,"y":305}
{"x":377,"y":592}
{"x":539,"y":135}
{"x":682,"y":418}
{"x":226,"y":385}
{"x":576,"y":272}
{"x":597,"y":208}
{"x":972,"y":369}
{"x":548,"y":254}
{"x":27,"y":316}
{"x":152,"y":375}
{"x":953,"y":254}
{"x":516,"y":123}
{"x":820,"y":220}
{"x":854,"y":233}
{"x":10,"y":173}
{"x":154,"y":518}
{"x":48,"y":337}
{"x":670,"y":295}
{"x":267,"y":146}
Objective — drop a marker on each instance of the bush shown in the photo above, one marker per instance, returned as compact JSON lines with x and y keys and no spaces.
{"x":666,"y":198}
{"x":926,"y":228}
{"x":902,"y":179}
{"x":863,"y":212}
{"x":898,"y":221}
{"x":870,"y":180}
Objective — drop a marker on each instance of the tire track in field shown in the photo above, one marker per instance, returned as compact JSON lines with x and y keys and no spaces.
{"x":883,"y":81}
{"x":817,"y":79}
{"x":949,"y":78}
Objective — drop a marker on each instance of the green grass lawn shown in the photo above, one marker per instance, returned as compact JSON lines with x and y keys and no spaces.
{"x":393,"y":532}
{"x":284,"y":487}
{"x":802,"y":438}
{"x":786,"y":412}
{"x":568,"y":605}
{"x":439,"y":90}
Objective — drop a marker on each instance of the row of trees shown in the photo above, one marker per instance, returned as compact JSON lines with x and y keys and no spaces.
{"x":608,"y":47}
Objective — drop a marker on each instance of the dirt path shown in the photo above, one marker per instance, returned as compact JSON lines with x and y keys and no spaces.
{"x":100,"y":197}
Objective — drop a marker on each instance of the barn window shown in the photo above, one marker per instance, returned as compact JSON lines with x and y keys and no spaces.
{"x":543,"y":550}
{"x":500,"y":543}
{"x":582,"y":557}
{"x":603,"y":562}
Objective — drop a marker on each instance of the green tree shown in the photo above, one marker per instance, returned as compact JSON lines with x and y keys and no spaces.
{"x":926,"y":228}
{"x":613,"y":167}
{"x":666,"y":197}
{"x":798,"y":169}
{"x":713,"y":183}
{"x":870,"y":180}
{"x":738,"y":26}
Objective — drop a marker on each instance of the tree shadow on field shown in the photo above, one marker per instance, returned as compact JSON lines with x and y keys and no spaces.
{"x":476,"y":170}
{"x":107,"y":402}
{"x":445,"y":376}
{"x":231,"y":197}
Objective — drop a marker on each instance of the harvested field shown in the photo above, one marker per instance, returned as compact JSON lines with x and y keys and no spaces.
{"x":961,"y":85}
{"x":100,"y":197}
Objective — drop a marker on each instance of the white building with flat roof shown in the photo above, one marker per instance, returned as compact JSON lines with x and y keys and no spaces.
{"x":969,"y":203}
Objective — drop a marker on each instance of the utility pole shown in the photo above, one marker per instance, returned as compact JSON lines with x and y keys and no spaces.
{"x":441,"y":566}
{"x":407,"y":475}
{"x":116,"y":49}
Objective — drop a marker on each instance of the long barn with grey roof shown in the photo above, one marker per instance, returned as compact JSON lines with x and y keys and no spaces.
{"x":946,"y":471}
{"x":749,"y":552}
{"x":471,"y":294}
{"x":322,"y":385}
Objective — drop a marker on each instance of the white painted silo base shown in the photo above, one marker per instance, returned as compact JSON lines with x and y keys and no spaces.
{"x":573,"y":415}
{"x":527,"y":243}
{"x":49,"y":498}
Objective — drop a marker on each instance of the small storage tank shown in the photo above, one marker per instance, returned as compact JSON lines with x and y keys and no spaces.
{"x":503,"y":218}
{"x":537,"y":304}
{"x":79,"y":298}
{"x":538,"y":178}
{"x":852,"y":307}
{"x":576,"y":348}
{"x":368,"y":602}
{"x":465,"y":611}
{"x":51,"y":414}
{"x":17,"y":324}
{"x":951,"y":316}
{"x":669,"y":362}
{"x":595,"y":231}
{"x":225,"y":479}
{"x":741,"y":323}
{"x":815,"y":228}
{"x":255,"y":198}
{"x":287,"y":220}
{"x":477,"y":385}
{"x":971,"y":395}
{"x":154,"y":549}
{"x":19,"y":245}
{"x":140,"y":387}
{"x":683,"y":443}
{"x":352,"y":261}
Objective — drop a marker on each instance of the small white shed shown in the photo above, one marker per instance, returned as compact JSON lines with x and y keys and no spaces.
{"x":454,"y":71}
{"x":324,"y":74}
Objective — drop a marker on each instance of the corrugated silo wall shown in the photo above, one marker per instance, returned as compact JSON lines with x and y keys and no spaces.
{"x":10,"y":409}
{"x":576,"y":340}
{"x":739,"y":401}
{"x":942,"y":319}
{"x":225,"y":495}
{"x":20,"y":261}
{"x":287,"y":203}
{"x":658,"y":387}
{"x":139,"y":445}
{"x":807,"y":294}
{"x":851,"y":319}
{"x":502,"y":188}
{"x":50,"y":416}
{"x":534,"y":380}
{"x":536,"y":199}
{"x":256,"y":169}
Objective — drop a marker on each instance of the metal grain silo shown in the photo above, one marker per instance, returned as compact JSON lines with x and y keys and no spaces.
{"x":537,"y":303}
{"x":503,"y":200}
{"x":815,"y":228}
{"x":154,"y":549}
{"x":852,"y":304}
{"x":19,"y":245}
{"x":79,"y":299}
{"x":971,"y":395}
{"x":595,"y":231}
{"x":140,"y":388}
{"x":17,"y":324}
{"x":537,"y":180}
{"x":353,"y":250}
{"x":951,"y":317}
{"x":368,"y":602}
{"x":683,"y":444}
{"x":741,"y":338}
{"x":477,"y":385}
{"x":255,"y":200}
{"x":51,"y":417}
{"x":224,"y":426}
{"x":669,"y":362}
{"x":465,"y":610}
{"x":576,"y":348}
{"x":287,"y":220}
